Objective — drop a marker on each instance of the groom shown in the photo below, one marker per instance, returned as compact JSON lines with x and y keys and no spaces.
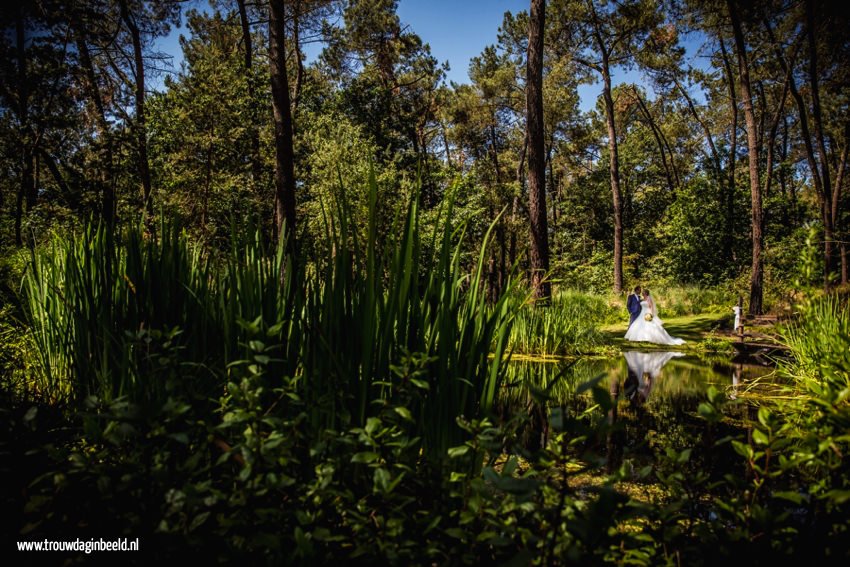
{"x":633,"y":305}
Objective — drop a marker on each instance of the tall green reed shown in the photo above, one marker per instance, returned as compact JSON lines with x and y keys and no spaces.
{"x":372,"y":307}
{"x":126,"y":315}
{"x":820,"y":348}
{"x":104,"y":308}
{"x":566,"y":325}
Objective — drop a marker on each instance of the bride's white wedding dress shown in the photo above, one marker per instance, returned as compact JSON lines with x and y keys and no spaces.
{"x":650,"y":331}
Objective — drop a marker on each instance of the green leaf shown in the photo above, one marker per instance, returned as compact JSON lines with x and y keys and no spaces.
{"x":198,"y":521}
{"x":180,"y":438}
{"x":381,"y":480}
{"x":742,"y":449}
{"x":403,"y":412}
{"x":372,"y":424}
{"x":365,"y":457}
{"x":30,"y":415}
{"x":760,"y":437}
{"x":794,"y":497}
{"x":764,"y":416}
{"x":458,"y":451}
{"x":708,"y":412}
{"x":838,"y":496}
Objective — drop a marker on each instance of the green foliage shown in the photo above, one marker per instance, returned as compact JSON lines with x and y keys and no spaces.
{"x":694,"y":229}
{"x":143,"y":318}
{"x":567,"y":324}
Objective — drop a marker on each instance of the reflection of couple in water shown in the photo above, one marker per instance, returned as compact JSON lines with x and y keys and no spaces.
{"x":643,"y":369}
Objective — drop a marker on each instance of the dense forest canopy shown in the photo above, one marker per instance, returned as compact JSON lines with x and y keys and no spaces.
{"x":706,"y":174}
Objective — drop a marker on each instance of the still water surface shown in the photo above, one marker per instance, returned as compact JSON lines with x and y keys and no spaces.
{"x":641,"y":377}
{"x":655,"y":395}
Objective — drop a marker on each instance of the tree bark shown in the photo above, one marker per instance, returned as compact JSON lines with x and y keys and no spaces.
{"x":520,"y":174}
{"x":709,"y":139}
{"x":536,"y":153}
{"x":26,"y":189}
{"x":284,"y":173}
{"x":817,"y":122}
{"x":141,"y":119}
{"x":657,"y":134}
{"x":757,"y":277}
{"x":614,"y":172}
{"x":107,"y":204}
{"x":824,"y":200}
{"x":299,"y":63}
{"x":253,"y":129}
{"x":614,"y":159}
{"x":729,"y":240}
{"x":71,"y":197}
{"x":836,"y":201}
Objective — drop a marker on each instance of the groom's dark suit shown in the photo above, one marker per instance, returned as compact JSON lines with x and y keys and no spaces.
{"x":633,"y":305}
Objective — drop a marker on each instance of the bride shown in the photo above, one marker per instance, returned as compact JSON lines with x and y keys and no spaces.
{"x":648,"y":327}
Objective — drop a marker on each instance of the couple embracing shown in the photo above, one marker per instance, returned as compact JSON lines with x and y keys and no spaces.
{"x":644,"y":324}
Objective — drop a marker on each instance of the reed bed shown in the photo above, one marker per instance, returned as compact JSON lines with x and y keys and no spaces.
{"x":128,"y":316}
{"x":819,"y":342}
{"x":568,"y":324}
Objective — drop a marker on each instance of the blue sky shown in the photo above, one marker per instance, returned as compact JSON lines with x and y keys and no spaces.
{"x":456,"y":30}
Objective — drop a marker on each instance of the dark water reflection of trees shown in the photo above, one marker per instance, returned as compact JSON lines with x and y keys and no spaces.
{"x":654,"y":400}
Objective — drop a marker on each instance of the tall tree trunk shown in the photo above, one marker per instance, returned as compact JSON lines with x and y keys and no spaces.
{"x":141,"y":119}
{"x":520,"y":175}
{"x":446,"y":144}
{"x":107,"y":204}
{"x":614,"y":159}
{"x":658,"y":135}
{"x":787,"y":212}
{"x":729,"y":239}
{"x":823,"y":199}
{"x":284,"y":171}
{"x":27,"y":188}
{"x":709,"y":139}
{"x":499,"y":280}
{"x":299,"y":62}
{"x":253,"y":129}
{"x":614,"y":171}
{"x":536,"y":153}
{"x":836,"y":201}
{"x":72,"y":198}
{"x":817,"y":122}
{"x":757,"y":277}
{"x":771,"y":136}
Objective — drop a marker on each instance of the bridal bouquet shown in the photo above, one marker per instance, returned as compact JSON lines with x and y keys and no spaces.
{"x":647,"y":317}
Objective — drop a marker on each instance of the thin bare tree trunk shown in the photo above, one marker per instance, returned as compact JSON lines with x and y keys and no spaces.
{"x":728,"y":241}
{"x":284,"y":174}
{"x":520,"y":175}
{"x":657,"y":134}
{"x":107,"y":204}
{"x":253,"y":129}
{"x":141,"y":119}
{"x":836,"y":194}
{"x":536,"y":155}
{"x":26,"y":189}
{"x":299,"y":63}
{"x":757,"y":277}
{"x":823,"y":201}
{"x":817,"y":121}
{"x":614,"y":159}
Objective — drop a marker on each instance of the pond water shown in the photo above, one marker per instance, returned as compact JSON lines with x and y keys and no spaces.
{"x":655,"y":397}
{"x":640,"y":376}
